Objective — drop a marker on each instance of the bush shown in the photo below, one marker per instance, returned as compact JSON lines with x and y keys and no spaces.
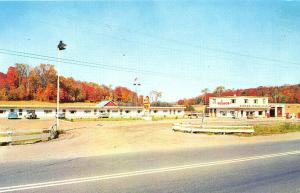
{"x":190,"y":108}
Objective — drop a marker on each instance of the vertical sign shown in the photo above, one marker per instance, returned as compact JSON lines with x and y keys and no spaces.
{"x":146,"y":102}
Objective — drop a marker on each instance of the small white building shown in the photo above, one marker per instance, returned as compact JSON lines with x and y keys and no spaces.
{"x":242,"y":106}
{"x":90,"y":111}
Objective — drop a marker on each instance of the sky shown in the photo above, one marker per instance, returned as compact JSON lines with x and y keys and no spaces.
{"x":176,"y":47}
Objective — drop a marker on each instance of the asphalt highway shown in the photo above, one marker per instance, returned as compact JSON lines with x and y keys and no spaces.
{"x":264,"y":167}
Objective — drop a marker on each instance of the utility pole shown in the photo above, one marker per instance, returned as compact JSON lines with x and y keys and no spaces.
{"x":60,"y":46}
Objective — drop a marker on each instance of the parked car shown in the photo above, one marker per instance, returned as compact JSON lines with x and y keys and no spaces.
{"x":103,"y":115}
{"x":194,"y":115}
{"x":13,"y":115}
{"x":61,"y":115}
{"x":31,"y":115}
{"x":250,"y":116}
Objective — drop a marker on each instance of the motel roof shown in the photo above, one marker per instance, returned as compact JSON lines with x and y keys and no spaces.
{"x":106,"y":103}
{"x":40,"y":104}
{"x":240,"y":97}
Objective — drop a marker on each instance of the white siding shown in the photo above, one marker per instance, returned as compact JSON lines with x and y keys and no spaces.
{"x":50,"y":112}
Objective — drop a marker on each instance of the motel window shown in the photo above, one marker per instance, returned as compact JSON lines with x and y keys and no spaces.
{"x":108,"y":110}
{"x":95,"y":111}
{"x":127,"y":111}
{"x":232,"y":100}
{"x":72,"y":111}
{"x":165,"y":111}
{"x":47,"y":111}
{"x":179,"y":111}
{"x":2,"y":111}
{"x":20,"y":111}
{"x":87,"y":111}
{"x":260,"y":112}
{"x":214,"y":101}
{"x":139,"y":111}
{"x":264,"y":101}
{"x":101,"y":111}
{"x":232,"y":113}
{"x":255,"y":101}
{"x":246,"y":100}
{"x":114,"y":111}
{"x":155,"y":111}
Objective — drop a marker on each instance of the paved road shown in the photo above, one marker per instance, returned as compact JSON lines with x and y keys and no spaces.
{"x":267,"y":167}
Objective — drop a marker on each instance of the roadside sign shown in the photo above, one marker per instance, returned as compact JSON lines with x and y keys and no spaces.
{"x":146,"y":102}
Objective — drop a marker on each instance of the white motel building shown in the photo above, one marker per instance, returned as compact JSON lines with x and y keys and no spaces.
{"x":90,"y":111}
{"x":242,"y":106}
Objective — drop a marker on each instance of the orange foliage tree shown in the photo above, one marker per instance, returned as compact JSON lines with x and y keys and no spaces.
{"x":40,"y":83}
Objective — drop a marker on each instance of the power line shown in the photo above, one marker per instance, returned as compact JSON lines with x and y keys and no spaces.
{"x":91,"y":64}
{"x":218,"y":57}
{"x":228,"y":52}
{"x":101,"y":66}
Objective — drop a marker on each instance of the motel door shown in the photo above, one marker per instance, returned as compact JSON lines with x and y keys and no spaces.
{"x":272,"y":112}
{"x":279,"y":111}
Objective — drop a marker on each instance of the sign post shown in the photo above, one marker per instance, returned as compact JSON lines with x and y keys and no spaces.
{"x":146,"y":102}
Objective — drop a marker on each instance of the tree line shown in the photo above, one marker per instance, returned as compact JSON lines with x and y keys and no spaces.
{"x":22,"y":82}
{"x":276,"y":94}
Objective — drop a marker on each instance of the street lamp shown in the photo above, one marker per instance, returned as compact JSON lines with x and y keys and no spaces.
{"x":60,"y":46}
{"x":136,"y":84}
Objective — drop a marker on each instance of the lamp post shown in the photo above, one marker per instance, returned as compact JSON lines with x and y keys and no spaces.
{"x":60,"y":46}
{"x":136,"y":84}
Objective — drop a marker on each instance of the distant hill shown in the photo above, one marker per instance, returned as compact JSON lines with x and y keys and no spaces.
{"x":276,"y":94}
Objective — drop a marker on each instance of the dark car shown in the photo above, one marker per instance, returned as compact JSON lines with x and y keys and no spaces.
{"x":13,"y":115}
{"x":194,"y":115}
{"x":31,"y":115}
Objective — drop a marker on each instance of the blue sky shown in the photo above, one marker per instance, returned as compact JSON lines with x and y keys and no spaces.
{"x":198,"y":44}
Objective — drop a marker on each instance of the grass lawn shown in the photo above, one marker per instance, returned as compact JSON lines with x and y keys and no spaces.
{"x":165,"y":118}
{"x":276,"y":128}
{"x":263,"y":130}
{"x":103,"y":119}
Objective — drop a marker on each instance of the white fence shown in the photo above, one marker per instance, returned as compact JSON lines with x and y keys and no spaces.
{"x":193,"y":128}
{"x":10,"y":136}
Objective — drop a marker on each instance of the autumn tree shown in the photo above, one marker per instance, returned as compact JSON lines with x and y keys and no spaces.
{"x":23,"y":78}
{"x":155,"y":95}
{"x":219,"y":90}
{"x":204,"y":93}
{"x":12,"y":77}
